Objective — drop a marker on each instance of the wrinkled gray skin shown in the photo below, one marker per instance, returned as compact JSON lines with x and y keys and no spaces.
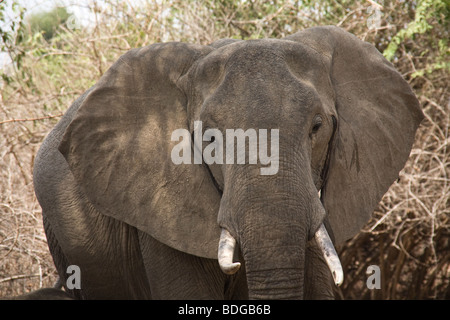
{"x":139,"y":226}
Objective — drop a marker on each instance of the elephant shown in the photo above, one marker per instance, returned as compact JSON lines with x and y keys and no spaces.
{"x":140,"y":225}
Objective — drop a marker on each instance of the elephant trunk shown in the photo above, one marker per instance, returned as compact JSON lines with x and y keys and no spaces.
{"x":272,"y":218}
{"x":227,"y":247}
{"x":272,"y":232}
{"x":274,"y":261}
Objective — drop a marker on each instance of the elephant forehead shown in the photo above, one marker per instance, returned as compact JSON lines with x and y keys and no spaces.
{"x":273,"y":100}
{"x":281,"y":81}
{"x":262,"y":56}
{"x":269,"y":67}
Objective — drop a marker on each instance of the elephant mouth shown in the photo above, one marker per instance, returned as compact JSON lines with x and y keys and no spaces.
{"x":227,"y":245}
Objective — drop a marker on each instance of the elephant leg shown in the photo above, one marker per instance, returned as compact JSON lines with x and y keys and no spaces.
{"x":177,"y":275}
{"x":107,"y":254}
{"x":105,"y":250}
{"x":59,"y":259}
{"x":318,"y":278}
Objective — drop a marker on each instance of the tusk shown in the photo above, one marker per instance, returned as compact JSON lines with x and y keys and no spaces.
{"x":225,"y":253}
{"x":330,"y":255}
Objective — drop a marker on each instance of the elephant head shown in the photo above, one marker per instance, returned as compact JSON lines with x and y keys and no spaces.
{"x":345,"y":123}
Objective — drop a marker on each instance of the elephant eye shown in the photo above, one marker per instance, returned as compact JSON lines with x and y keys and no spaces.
{"x":317,"y":124}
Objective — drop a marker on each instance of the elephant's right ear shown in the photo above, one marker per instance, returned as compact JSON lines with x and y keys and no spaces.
{"x":118,"y":147}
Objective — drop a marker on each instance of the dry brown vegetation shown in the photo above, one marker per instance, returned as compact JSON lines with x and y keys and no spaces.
{"x":408,"y":236}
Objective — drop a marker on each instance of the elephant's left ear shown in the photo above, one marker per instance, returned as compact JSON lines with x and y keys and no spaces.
{"x":118,"y":147}
{"x":377,"y":117}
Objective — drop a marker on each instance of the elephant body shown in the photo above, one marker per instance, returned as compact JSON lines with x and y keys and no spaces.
{"x":111,"y":254}
{"x":141,"y":227}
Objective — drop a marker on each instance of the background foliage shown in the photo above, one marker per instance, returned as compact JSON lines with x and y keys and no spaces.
{"x":55,"y":57}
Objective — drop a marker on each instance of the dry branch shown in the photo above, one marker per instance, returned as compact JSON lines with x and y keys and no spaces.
{"x":20,"y":276}
{"x":32,"y":119}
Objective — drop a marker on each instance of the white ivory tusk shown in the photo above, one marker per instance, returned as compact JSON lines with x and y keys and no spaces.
{"x":225,"y":253}
{"x":330,"y":255}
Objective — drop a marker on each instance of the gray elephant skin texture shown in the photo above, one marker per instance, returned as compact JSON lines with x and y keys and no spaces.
{"x":140,"y":226}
